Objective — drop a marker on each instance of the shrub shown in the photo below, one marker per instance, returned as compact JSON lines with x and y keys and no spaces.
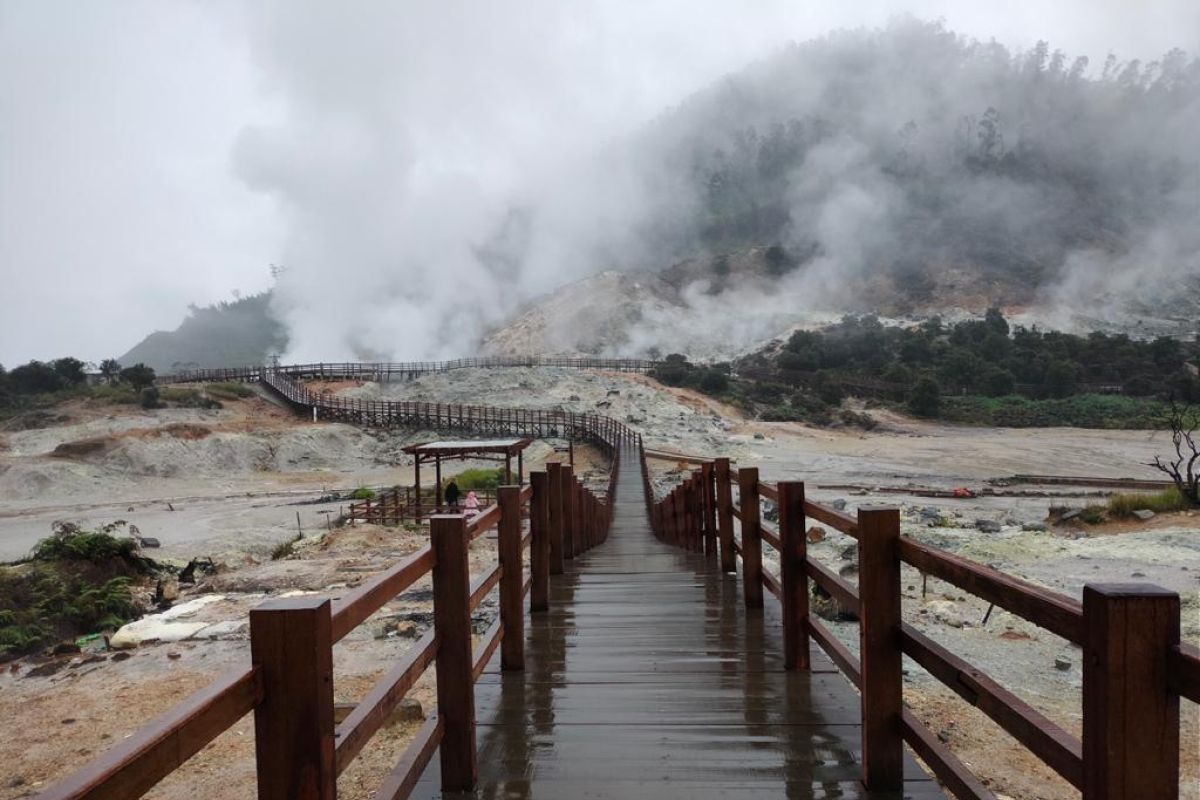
{"x":1093,"y":515}
{"x":285,"y":549}
{"x":138,"y":376}
{"x":69,"y":542}
{"x":363,"y":493}
{"x":77,"y":582}
{"x":229,"y":390}
{"x":121,"y":393}
{"x":150,"y":398}
{"x":714,"y":381}
{"x":187,"y":398}
{"x":1125,"y":503}
{"x":480,"y":479}
{"x":858,"y":419}
{"x":925,"y":398}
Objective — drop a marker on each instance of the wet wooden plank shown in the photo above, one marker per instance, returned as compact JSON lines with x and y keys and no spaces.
{"x":647,"y":678}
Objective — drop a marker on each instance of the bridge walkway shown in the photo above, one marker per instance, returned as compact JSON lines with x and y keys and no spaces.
{"x":647,"y":679}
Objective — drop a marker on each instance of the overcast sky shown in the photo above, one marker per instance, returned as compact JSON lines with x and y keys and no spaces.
{"x":155,"y":154}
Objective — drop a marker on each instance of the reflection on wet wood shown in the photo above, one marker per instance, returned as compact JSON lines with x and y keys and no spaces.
{"x":647,"y":679}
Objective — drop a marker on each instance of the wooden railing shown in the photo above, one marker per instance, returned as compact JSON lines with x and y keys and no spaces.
{"x":299,"y":751}
{"x":388,"y":370}
{"x":604,"y":431}
{"x":392,"y":506}
{"x":1134,"y":668}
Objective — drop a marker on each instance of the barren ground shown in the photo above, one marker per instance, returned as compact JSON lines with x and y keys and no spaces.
{"x":234,"y":478}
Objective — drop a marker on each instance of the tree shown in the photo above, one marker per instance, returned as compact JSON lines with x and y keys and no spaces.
{"x":995,"y":321}
{"x":69,"y":370}
{"x":996,"y":382}
{"x":925,"y":399}
{"x":34,"y":378}
{"x":1060,"y":379}
{"x":139,"y":376}
{"x":714,"y":381}
{"x":1184,"y":468}
{"x":110,"y":369}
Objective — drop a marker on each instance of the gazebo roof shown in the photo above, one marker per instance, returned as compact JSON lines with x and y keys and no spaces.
{"x":461,"y":449}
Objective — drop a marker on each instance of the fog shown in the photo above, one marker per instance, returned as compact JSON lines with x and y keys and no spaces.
{"x":422,"y":170}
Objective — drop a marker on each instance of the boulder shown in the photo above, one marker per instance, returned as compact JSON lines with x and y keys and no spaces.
{"x":816,"y":534}
{"x":1144,"y":514}
{"x":1035,"y":527}
{"x":839,"y":504}
{"x":988,"y":525}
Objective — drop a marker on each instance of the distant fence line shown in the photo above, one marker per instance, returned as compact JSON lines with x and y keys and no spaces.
{"x":405,"y":370}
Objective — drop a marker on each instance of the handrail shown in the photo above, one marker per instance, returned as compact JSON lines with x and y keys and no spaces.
{"x":1119,"y":710}
{"x":412,"y":368}
{"x":1061,"y":751}
{"x":133,"y":767}
{"x":1050,"y":610}
{"x":1183,"y":669}
{"x":372,"y":712}
{"x":156,"y":749}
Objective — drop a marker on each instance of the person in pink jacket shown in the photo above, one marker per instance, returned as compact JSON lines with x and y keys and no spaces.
{"x":471,"y":505}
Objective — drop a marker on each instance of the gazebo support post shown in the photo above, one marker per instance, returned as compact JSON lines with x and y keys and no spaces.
{"x":438,"y":477}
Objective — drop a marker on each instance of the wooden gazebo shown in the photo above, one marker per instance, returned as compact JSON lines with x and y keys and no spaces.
{"x":478,"y":450}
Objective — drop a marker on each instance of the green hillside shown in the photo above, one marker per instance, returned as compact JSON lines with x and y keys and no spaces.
{"x":226,"y":334}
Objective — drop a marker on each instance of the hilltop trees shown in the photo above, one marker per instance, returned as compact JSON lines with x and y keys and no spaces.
{"x":985,"y":357}
{"x":41,"y":383}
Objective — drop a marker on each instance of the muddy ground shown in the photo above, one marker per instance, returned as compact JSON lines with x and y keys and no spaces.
{"x":237,"y":477}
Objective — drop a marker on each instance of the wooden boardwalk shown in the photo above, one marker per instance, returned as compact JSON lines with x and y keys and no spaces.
{"x":647,"y":678}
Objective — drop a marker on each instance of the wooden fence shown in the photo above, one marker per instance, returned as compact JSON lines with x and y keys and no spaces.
{"x":1134,"y":668}
{"x":392,"y":506}
{"x":387,"y":370}
{"x":299,"y":750}
{"x":606,"y":432}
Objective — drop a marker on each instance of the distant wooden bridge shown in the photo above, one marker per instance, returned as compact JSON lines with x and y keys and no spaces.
{"x":650,"y":664}
{"x":384,"y":371}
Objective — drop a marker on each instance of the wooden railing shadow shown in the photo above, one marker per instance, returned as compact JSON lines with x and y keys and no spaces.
{"x":1135,"y":668}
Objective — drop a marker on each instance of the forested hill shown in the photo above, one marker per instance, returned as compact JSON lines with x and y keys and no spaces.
{"x":226,"y":334}
{"x":913,"y":162}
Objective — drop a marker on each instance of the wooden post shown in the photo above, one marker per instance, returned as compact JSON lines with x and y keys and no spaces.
{"x":539,"y":544}
{"x":725,"y":515}
{"x":794,"y":551}
{"x":1130,"y":714}
{"x":437,"y":473}
{"x":512,"y":580}
{"x":455,"y":666}
{"x":698,"y":511}
{"x":417,"y":480}
{"x":554,"y":529}
{"x":879,"y":648}
{"x":568,"y":505}
{"x":751,"y":537}
{"x":577,"y":519}
{"x":291,"y":642}
{"x":710,"y":511}
{"x":673,"y":516}
{"x":589,"y":519}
